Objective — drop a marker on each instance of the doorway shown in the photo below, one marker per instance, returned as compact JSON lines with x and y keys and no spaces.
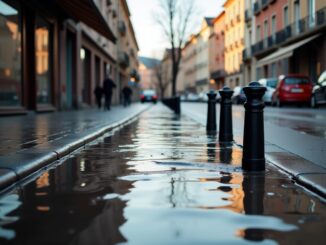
{"x":70,"y":71}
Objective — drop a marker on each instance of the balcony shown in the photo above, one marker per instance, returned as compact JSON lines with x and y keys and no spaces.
{"x":264,"y":4}
{"x":309,"y":24}
{"x":283,"y":35}
{"x":248,"y":15}
{"x":134,"y":74}
{"x":271,"y":41}
{"x":218,"y":74}
{"x":123,"y":60}
{"x":257,"y":8}
{"x":122,"y":28}
{"x":246,"y":54}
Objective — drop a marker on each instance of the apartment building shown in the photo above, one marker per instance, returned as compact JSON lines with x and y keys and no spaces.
{"x":234,"y":42}
{"x":188,"y":63}
{"x":216,"y":53}
{"x":148,"y":78}
{"x":127,"y":49}
{"x":202,"y":55}
{"x":289,"y":37}
{"x":53,"y":53}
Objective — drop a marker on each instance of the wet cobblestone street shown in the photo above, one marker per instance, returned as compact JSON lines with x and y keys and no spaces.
{"x":159,"y":180}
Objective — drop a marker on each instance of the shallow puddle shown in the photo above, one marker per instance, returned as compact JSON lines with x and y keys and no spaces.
{"x":159,"y":180}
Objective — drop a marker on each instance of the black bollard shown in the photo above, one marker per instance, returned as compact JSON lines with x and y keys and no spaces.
{"x":211,"y":112}
{"x":177,"y":109}
{"x":253,"y":158}
{"x":226,"y":133}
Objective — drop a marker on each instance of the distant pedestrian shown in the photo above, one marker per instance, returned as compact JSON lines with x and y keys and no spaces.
{"x":108,"y":86}
{"x":127,"y":93}
{"x":98,"y":91}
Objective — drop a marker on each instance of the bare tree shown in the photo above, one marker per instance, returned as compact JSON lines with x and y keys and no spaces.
{"x":174,"y":17}
{"x":162,"y":83}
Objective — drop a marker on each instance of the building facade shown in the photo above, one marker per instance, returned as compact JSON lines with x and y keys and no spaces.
{"x":289,"y":38}
{"x":148,"y":78}
{"x":216,"y":52}
{"x":188,"y":62}
{"x":202,"y":56}
{"x":53,"y":53}
{"x":234,"y":42}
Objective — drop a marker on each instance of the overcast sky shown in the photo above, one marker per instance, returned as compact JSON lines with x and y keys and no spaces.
{"x":150,"y":39}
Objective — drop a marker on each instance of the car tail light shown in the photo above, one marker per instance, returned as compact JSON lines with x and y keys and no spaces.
{"x":154,"y":97}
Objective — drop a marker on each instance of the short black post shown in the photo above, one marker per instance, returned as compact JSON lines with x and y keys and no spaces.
{"x":211,"y":112}
{"x":226,"y":133}
{"x":177,"y":109}
{"x":253,"y":158}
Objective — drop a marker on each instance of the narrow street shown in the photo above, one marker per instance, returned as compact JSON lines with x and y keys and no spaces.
{"x":159,"y":180}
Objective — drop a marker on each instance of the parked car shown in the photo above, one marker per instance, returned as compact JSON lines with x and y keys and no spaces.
{"x":238,"y":96}
{"x":318,"y":96}
{"x":293,"y":88}
{"x":204,"y":97}
{"x":148,"y":95}
{"x":192,"y":97}
{"x":270,"y":84}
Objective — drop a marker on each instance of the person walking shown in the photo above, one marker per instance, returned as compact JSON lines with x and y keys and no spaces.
{"x":98,"y":91}
{"x":108,"y":86}
{"x":127,"y":93}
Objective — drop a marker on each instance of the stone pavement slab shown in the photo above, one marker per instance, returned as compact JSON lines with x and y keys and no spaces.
{"x":30,"y":142}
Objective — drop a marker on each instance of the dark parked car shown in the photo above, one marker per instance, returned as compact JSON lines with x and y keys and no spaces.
{"x":319,"y":91}
{"x":294,"y":88}
{"x":148,"y":95}
{"x":238,"y":96}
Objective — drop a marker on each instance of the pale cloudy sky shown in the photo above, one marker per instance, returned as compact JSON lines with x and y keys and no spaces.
{"x":150,"y":39}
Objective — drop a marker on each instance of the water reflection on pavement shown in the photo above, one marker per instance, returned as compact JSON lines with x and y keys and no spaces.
{"x":159,"y":180}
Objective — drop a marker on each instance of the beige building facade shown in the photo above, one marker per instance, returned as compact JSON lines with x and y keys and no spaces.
{"x":216,"y":53}
{"x":188,"y":63}
{"x":202,"y":56}
{"x":234,"y":42}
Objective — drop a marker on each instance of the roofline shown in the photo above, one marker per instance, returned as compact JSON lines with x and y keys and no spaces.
{"x":226,"y":2}
{"x":219,"y":16}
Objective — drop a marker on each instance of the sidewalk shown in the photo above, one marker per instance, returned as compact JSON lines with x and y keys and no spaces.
{"x":301,"y":170}
{"x":30,"y":142}
{"x":161,"y":179}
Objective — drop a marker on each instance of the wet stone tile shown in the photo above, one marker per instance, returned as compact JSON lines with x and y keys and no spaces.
{"x":148,"y":184}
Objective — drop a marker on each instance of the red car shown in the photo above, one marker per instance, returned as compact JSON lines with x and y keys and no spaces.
{"x":292,"y":88}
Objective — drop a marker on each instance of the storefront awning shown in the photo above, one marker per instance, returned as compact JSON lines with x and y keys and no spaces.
{"x":87,"y":12}
{"x":284,"y":52}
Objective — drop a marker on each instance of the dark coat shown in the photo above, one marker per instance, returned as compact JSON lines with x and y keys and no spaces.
{"x":126,"y":91}
{"x":108,"y":86}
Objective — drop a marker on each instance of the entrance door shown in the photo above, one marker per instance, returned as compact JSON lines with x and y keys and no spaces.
{"x":69,"y":70}
{"x":86,"y":59}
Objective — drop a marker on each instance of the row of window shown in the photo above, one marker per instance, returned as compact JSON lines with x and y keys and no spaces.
{"x":233,"y":61}
{"x":262,"y":32}
{"x":11,"y":56}
{"x":233,"y":11}
{"x":234,"y":35}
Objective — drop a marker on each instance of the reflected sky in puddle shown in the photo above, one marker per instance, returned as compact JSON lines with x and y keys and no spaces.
{"x":148,"y":184}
